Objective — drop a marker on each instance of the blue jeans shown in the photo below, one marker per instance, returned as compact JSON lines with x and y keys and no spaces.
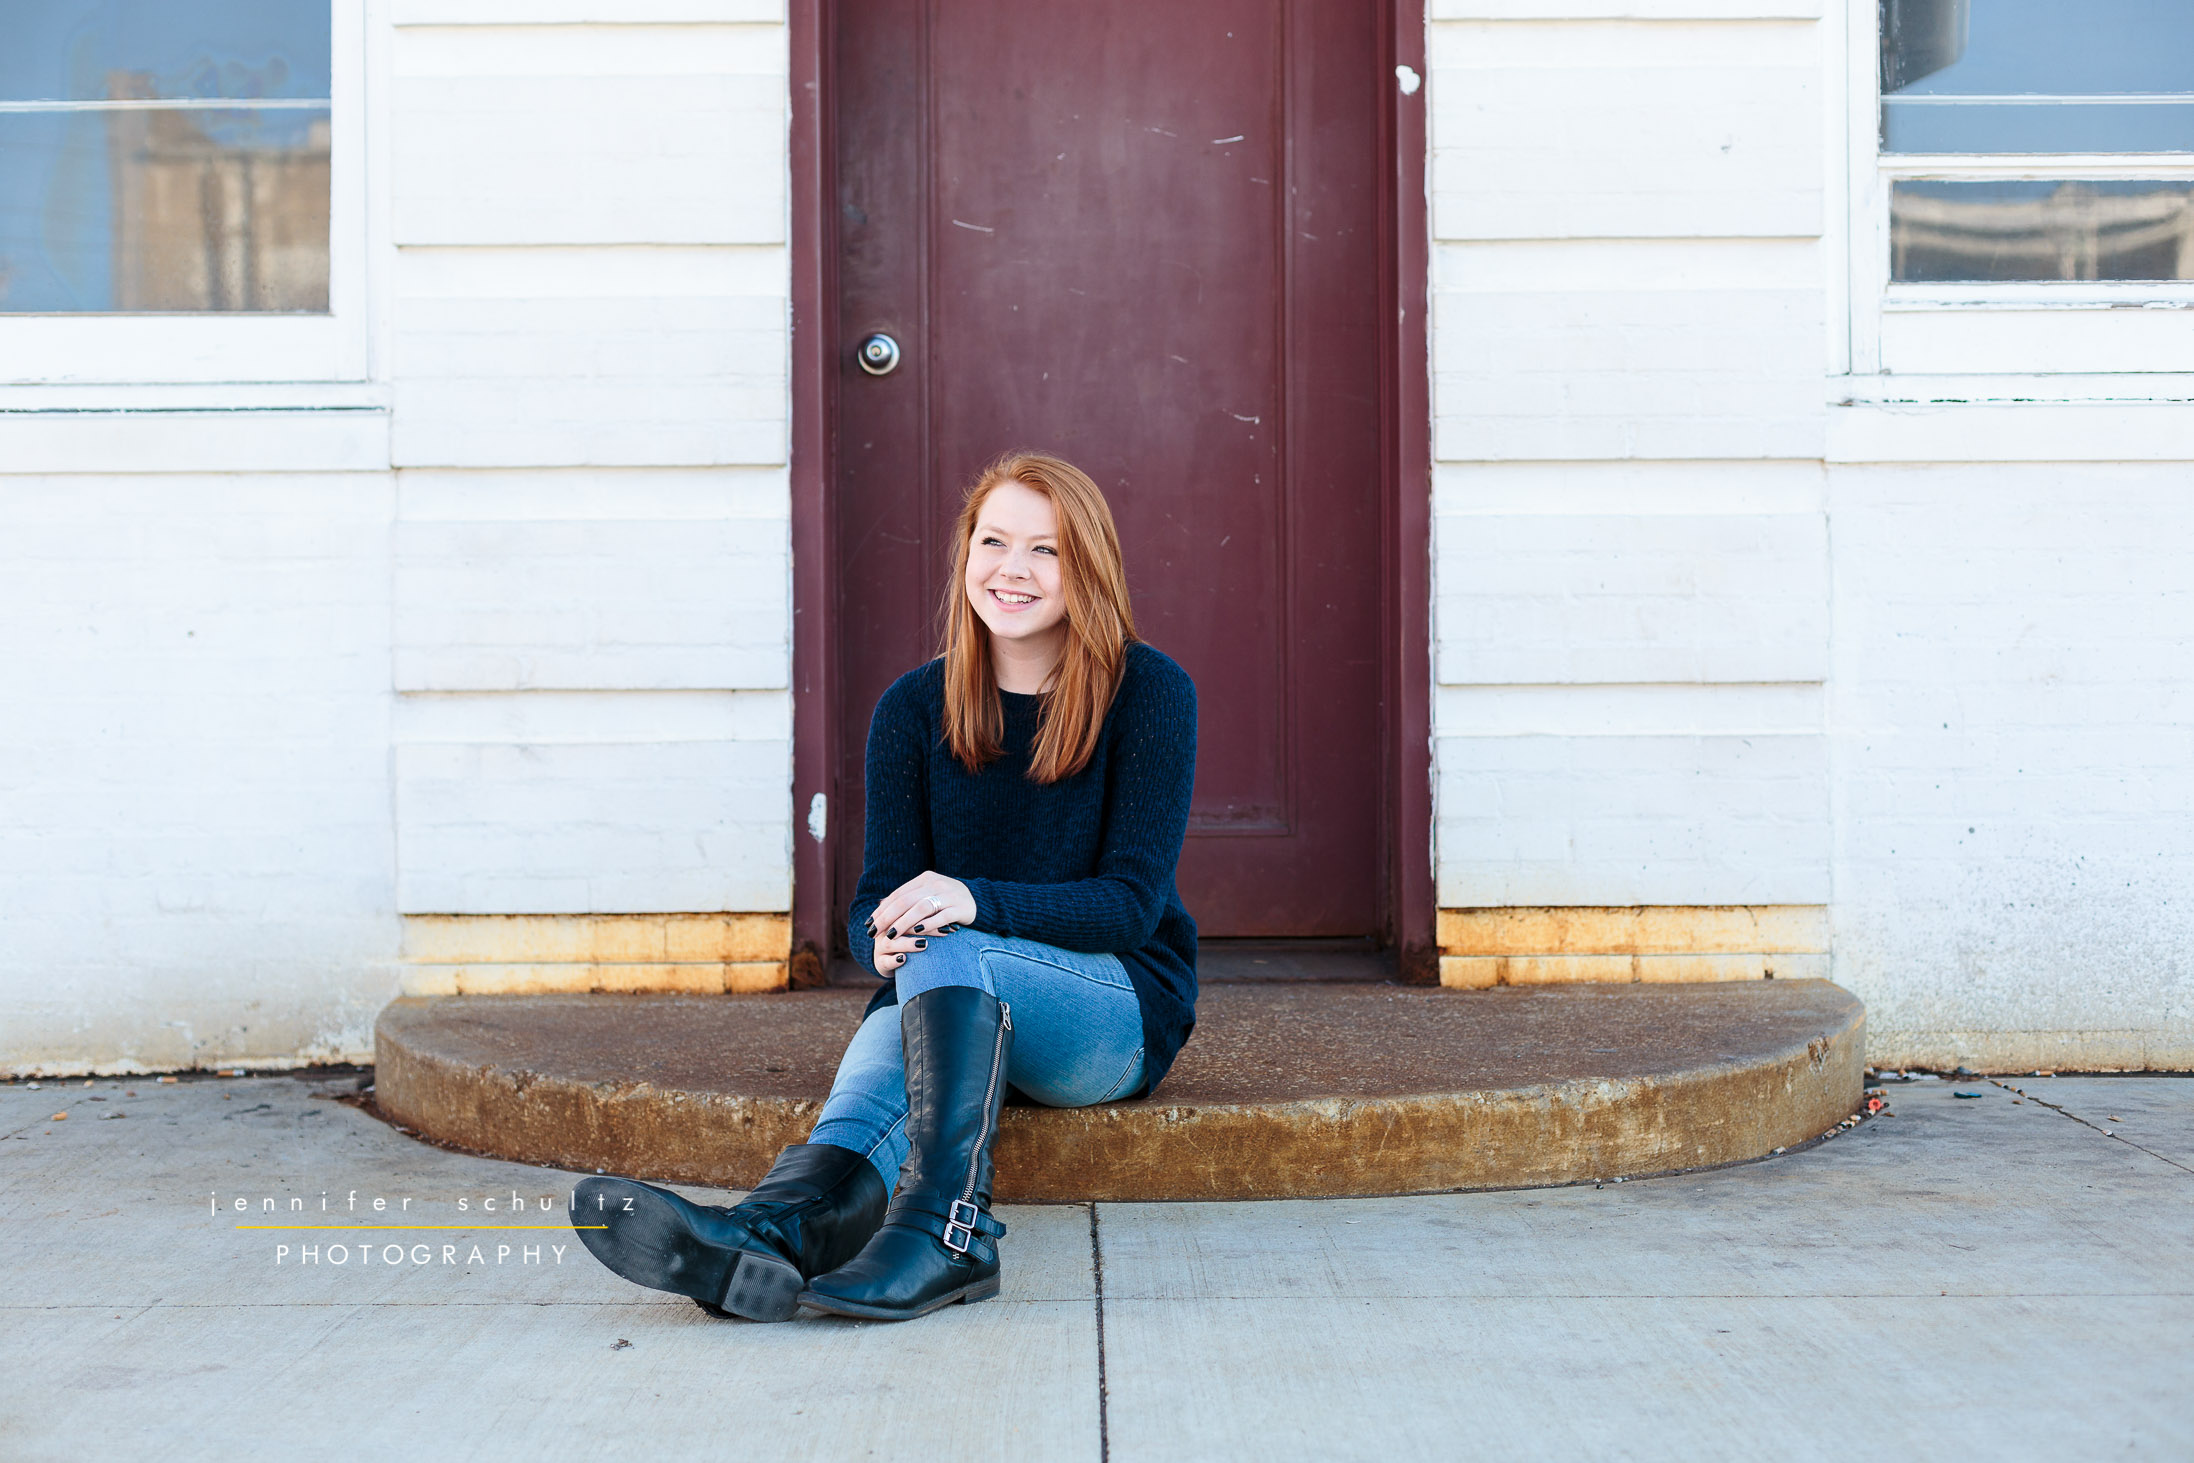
{"x":1077,"y":1037}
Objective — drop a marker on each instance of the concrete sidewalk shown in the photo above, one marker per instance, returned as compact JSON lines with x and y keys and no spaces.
{"x":1997,"y":1276}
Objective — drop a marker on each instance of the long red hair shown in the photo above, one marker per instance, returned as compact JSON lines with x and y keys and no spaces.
{"x":1099,"y":624}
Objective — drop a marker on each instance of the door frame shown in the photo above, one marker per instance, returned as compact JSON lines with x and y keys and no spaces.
{"x":1406,"y":832}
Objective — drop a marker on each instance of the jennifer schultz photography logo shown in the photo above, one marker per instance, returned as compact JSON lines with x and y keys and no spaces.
{"x":341,"y":1229}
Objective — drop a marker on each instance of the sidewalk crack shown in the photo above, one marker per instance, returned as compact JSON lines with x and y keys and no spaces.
{"x":2085,"y":1123}
{"x":1104,"y":1399}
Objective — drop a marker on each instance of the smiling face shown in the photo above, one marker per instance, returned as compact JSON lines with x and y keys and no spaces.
{"x":1015,"y":583}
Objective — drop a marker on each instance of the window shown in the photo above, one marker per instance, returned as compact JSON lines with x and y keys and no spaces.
{"x":179,"y":193}
{"x":2028,"y":177}
{"x":164,"y":156}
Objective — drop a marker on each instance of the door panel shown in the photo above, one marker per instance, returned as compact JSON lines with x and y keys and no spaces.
{"x":1145,"y":236}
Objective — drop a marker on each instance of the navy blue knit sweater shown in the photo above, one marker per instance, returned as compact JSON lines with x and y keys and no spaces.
{"x":1085,"y":863}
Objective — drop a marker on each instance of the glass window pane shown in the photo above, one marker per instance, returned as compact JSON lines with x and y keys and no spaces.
{"x":164,"y":209}
{"x":2037,"y":76}
{"x":2018,"y":230}
{"x":162,"y":155}
{"x":90,"y":50}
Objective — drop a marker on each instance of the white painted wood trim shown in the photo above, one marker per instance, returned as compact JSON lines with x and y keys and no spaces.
{"x":1625,"y":9}
{"x":1835,"y":271}
{"x":2145,"y":431}
{"x":227,"y":396}
{"x":584,"y":12}
{"x":2009,"y":389}
{"x":179,"y":442}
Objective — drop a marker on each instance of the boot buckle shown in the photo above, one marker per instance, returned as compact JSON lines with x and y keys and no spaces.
{"x":965,"y":1226}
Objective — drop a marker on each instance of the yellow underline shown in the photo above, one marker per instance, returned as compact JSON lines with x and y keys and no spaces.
{"x":378,"y":1228}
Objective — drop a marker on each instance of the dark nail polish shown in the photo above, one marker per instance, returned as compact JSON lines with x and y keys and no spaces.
{"x":949,"y":930}
{"x":921,"y":944}
{"x":917,"y":930}
{"x":892,"y":933}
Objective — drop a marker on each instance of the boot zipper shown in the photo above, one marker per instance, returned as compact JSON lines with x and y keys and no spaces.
{"x":990,"y":1092}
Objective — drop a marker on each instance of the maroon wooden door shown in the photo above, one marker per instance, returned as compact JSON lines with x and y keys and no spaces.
{"x":1144,"y":235}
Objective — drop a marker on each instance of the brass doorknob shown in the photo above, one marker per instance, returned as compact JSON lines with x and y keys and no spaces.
{"x":879,"y":355}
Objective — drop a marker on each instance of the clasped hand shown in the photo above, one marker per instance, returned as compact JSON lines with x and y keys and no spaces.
{"x":928,"y":904}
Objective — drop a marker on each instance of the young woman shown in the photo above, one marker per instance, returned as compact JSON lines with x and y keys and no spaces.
{"x":1028,"y":792}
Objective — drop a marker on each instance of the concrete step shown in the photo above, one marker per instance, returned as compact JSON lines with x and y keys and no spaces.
{"x":1288,"y":1089}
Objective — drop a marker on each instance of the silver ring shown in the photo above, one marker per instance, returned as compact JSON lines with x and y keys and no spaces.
{"x":935,"y":902}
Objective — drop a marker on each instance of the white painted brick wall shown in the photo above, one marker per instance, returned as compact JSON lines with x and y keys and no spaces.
{"x":196,"y":849}
{"x":2013,"y":723}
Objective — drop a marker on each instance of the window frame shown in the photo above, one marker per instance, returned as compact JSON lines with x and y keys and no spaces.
{"x":72,"y":351}
{"x":2069,"y":336}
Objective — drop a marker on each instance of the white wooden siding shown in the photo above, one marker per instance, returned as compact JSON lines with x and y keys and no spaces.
{"x":593,"y":803}
{"x":580,"y":381}
{"x":1558,"y":350}
{"x":1675,"y":818}
{"x":592,"y":565}
{"x":1622,"y":129}
{"x":595,"y":606}
{"x":1659,"y":597}
{"x":1631,"y":558}
{"x":595,"y":355}
{"x":534,"y":134}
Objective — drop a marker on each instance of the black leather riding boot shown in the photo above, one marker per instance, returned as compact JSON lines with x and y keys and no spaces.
{"x":817,"y":1206}
{"x":936,"y":1243}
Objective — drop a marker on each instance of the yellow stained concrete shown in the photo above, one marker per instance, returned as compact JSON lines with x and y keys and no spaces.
{"x":511,"y":939}
{"x":532,"y":954}
{"x":739,"y":977}
{"x":1551,"y":945}
{"x":1647,"y":929}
